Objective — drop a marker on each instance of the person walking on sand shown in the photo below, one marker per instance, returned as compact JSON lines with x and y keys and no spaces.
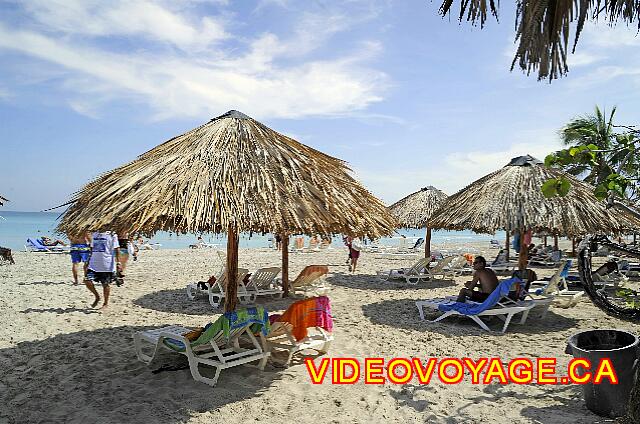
{"x":80,"y":252}
{"x":102,"y":264}
{"x":354,"y":252}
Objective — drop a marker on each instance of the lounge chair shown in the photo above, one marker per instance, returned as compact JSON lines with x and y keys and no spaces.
{"x":216,"y":291}
{"x":412,"y":275}
{"x":263,"y":282}
{"x":442,"y":268}
{"x":216,"y":346}
{"x":497,"y":304}
{"x":501,"y":265}
{"x":36,"y":245}
{"x":291,"y":330}
{"x":555,"y":290}
{"x":311,"y":280}
{"x":495,"y":244}
{"x":460,"y":266}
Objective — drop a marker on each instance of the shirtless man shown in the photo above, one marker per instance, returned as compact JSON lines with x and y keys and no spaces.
{"x":80,"y":252}
{"x":483,"y":277}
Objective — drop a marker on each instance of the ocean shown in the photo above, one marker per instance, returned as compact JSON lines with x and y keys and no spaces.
{"x":16,"y":227}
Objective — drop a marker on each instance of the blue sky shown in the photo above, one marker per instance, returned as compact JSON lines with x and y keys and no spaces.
{"x":407,"y":98}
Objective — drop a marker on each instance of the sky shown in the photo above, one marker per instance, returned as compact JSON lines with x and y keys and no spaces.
{"x":407,"y":98}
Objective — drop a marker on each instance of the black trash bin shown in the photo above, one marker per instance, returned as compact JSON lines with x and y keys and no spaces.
{"x":621,"y":347}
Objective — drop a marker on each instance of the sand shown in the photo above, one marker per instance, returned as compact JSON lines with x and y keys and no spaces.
{"x":62,"y":361}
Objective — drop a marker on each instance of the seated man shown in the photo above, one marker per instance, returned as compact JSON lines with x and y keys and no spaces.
{"x":48,"y":242}
{"x":483,"y":277}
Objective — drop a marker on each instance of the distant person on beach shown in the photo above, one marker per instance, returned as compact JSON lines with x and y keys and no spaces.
{"x":125,"y":246}
{"x":484,"y":278}
{"x":80,"y":252}
{"x":278,"y":240}
{"x":105,"y":253}
{"x":48,"y":242}
{"x":354,"y":252}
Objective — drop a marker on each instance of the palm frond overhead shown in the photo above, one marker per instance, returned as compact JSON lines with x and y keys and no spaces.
{"x":230,"y":172}
{"x":414,"y":210}
{"x":543,"y":27}
{"x":511,"y":199}
{"x":3,"y":200}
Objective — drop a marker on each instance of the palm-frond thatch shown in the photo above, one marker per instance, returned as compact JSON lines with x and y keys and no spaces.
{"x":511,"y":199}
{"x":232,"y":171}
{"x":544,"y":26}
{"x":3,"y":200}
{"x":414,"y":210}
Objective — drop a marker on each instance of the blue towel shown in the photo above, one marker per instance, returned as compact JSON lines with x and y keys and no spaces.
{"x":475,"y":308}
{"x":565,"y":271}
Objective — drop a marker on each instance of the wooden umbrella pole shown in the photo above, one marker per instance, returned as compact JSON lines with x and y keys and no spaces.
{"x":285,"y":265}
{"x":427,"y":243}
{"x":507,"y":246}
{"x":231,"y":291}
{"x":544,"y":241}
{"x":524,"y":253}
{"x":555,"y":242}
{"x":573,"y":247}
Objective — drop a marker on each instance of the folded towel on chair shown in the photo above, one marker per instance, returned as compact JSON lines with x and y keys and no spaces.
{"x":311,"y":312}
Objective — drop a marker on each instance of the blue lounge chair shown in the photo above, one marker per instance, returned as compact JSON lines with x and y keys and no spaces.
{"x":35,"y":245}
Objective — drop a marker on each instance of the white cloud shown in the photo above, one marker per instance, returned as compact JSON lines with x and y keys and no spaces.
{"x":456,"y":170}
{"x":273,"y":77}
{"x":145,"y":18}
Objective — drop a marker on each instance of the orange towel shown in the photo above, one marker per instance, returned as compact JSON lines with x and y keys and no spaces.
{"x":312,"y":312}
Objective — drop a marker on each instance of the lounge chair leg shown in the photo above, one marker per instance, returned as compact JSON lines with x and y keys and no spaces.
{"x":190,"y":294}
{"x":195,"y":373}
{"x":480,"y":322}
{"x":525,"y":314}
{"x":142,"y":356}
{"x":420,"y":311}
{"x":506,"y":322}
{"x":212,"y":300}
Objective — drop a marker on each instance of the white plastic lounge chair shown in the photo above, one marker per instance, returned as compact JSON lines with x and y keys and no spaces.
{"x":500,"y":264}
{"x":555,"y":290}
{"x":412,"y":275}
{"x":460,"y":266}
{"x":317,"y":338}
{"x":310,"y":281}
{"x":498,"y":304}
{"x":263,"y":282}
{"x":442,"y":268}
{"x":216,"y":292}
{"x":212,"y":348}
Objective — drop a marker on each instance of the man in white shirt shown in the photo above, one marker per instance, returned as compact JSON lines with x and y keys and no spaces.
{"x":102,"y":264}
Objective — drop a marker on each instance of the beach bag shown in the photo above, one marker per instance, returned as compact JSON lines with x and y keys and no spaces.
{"x":356,"y":245}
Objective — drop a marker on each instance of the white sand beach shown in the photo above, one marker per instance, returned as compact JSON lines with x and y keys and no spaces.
{"x":62,"y":361}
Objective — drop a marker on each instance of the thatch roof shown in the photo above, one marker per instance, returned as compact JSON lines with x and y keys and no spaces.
{"x":414,"y":210}
{"x":511,"y":199}
{"x":3,"y":200}
{"x":232,"y":171}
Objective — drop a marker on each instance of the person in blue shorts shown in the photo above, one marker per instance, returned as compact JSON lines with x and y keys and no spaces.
{"x":80,"y":252}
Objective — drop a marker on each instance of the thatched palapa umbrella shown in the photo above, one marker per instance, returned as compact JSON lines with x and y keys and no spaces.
{"x":232,"y":174}
{"x":511,"y":199}
{"x":414,"y":211}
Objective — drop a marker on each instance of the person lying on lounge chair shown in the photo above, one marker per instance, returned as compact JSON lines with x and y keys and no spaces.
{"x":48,"y":242}
{"x":484,"y":278}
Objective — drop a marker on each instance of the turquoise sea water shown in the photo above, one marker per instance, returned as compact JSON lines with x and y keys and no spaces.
{"x":15,"y":227}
